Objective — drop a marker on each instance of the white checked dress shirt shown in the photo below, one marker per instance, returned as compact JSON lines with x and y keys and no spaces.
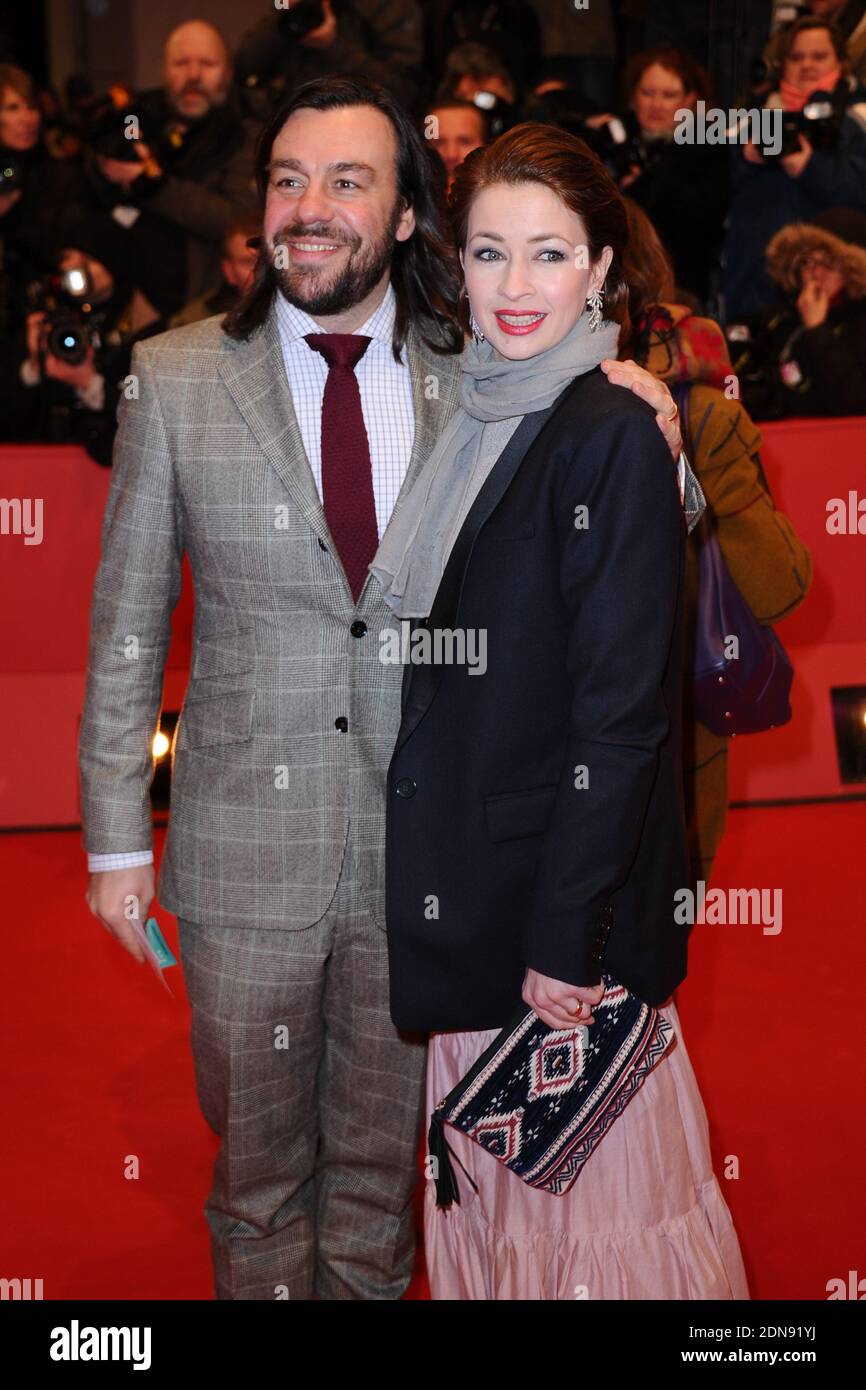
{"x":389,"y":418}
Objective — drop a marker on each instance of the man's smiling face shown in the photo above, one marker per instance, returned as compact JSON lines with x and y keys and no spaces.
{"x":333,"y":212}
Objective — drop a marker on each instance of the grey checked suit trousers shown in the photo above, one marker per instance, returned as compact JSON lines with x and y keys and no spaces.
{"x":274,"y":860}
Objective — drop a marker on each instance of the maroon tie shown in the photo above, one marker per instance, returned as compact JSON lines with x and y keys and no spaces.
{"x":347,"y":476}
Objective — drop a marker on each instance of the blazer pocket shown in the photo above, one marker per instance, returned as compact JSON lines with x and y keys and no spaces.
{"x":227,"y":652}
{"x":513,"y":815}
{"x":216,"y":719}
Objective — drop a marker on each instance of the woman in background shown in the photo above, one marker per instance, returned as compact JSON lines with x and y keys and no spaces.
{"x":768,"y":562}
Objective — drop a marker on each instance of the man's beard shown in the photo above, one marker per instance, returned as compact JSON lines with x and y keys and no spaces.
{"x":363,"y":270}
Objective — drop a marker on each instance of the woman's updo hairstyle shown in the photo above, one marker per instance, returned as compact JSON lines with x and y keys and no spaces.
{"x":536,"y":153}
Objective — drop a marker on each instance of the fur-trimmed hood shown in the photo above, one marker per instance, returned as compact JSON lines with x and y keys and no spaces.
{"x":799,"y":238}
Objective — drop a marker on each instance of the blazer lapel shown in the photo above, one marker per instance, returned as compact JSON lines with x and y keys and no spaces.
{"x":421,"y":682}
{"x":254,"y":373}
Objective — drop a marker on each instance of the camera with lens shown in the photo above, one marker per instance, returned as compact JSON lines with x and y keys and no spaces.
{"x":11,"y":175}
{"x":820,"y":121}
{"x":71,"y":325}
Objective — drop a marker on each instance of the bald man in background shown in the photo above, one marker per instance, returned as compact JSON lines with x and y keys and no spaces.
{"x":197,"y":153}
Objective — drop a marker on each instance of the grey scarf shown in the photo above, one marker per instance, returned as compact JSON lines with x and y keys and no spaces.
{"x":412,"y":555}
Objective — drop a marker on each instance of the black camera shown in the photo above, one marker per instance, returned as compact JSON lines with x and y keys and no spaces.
{"x":619,"y":144}
{"x":107,"y":122}
{"x":301,"y":18}
{"x":71,"y":325}
{"x":500,"y":115}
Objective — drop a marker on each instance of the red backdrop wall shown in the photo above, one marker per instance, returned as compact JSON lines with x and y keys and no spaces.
{"x":43,"y":624}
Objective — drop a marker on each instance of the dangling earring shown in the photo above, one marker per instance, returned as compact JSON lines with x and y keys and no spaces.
{"x":594,"y":303}
{"x":476,"y":331}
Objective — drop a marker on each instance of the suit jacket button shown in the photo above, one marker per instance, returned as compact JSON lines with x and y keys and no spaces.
{"x":407,"y":786}
{"x":358,"y":628}
{"x":341,"y":723}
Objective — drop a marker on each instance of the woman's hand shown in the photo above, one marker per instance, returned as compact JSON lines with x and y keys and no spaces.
{"x":651,"y":390}
{"x":324,"y":35}
{"x":752,"y":154}
{"x":555,"y":1002}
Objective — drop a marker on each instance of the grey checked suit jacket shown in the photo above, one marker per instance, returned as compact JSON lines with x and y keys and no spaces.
{"x":209,"y":459}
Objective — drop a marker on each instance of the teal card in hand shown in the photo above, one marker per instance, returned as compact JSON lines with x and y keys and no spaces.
{"x":161,"y":950}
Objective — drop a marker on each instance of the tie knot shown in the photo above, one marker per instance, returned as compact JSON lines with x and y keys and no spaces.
{"x":339,"y":349}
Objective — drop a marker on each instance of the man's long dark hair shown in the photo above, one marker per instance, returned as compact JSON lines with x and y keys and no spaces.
{"x":424,"y":270}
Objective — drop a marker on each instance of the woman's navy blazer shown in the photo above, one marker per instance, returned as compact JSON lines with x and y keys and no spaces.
{"x":535,"y":808}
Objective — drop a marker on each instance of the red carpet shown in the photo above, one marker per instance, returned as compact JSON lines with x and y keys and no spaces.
{"x":98,"y":1069}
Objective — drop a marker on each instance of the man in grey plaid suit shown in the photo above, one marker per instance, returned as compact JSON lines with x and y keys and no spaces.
{"x":238,"y":448}
{"x":274,"y":860}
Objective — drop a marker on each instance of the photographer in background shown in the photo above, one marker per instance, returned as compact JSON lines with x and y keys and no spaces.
{"x":807,"y":355}
{"x":79,"y":341}
{"x":379,"y":40}
{"x":34,"y":187}
{"x":479,"y":76}
{"x":454,"y":128}
{"x":238,"y":265}
{"x":821,"y":164}
{"x":192,"y":170}
{"x":683,"y":188}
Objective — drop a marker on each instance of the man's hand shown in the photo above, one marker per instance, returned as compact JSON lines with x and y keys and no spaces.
{"x":794,"y":164}
{"x":118,"y":894}
{"x":555,"y":1001}
{"x":35,"y":334}
{"x":79,"y":374}
{"x":813,"y":304}
{"x":752,"y":154}
{"x":651,"y":390}
{"x":634,"y":173}
{"x":324,"y":35}
{"x":8,"y":200}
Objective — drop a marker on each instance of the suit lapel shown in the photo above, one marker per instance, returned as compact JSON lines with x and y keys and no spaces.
{"x":254,"y":373}
{"x":422,"y":681}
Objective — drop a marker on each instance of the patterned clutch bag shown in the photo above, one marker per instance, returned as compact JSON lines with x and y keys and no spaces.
{"x":541,"y":1099}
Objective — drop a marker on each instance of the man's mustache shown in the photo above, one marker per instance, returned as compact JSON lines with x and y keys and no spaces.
{"x":299,"y":233}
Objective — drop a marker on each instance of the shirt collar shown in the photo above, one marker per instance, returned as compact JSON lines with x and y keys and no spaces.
{"x":295,"y":323}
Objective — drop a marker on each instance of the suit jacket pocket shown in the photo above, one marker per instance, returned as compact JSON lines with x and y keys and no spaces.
{"x":513,"y":815}
{"x":215,"y":719}
{"x":225,"y":652}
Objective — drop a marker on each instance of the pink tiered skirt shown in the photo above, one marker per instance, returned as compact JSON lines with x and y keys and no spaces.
{"x":646,"y":1219}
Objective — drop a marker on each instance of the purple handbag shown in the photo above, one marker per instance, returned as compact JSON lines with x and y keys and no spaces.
{"x":748,"y":693}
